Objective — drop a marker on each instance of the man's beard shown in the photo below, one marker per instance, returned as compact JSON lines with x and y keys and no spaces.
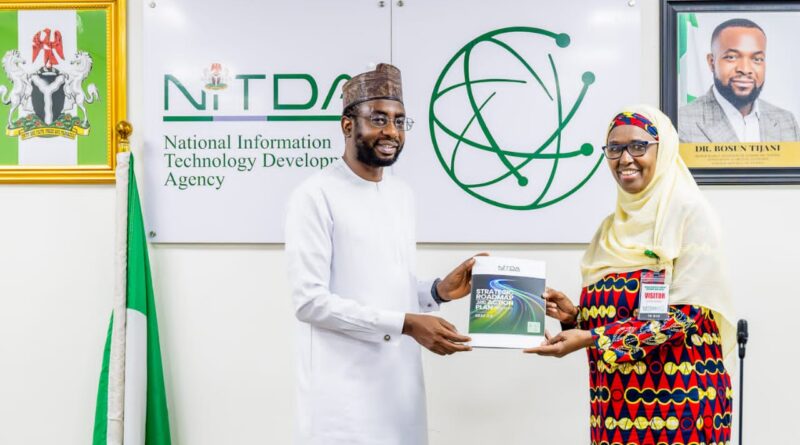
{"x":730,"y":96}
{"x":366,"y":154}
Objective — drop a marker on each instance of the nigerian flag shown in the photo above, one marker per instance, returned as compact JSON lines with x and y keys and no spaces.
{"x":693,"y":70}
{"x":53,"y":88}
{"x":131,"y":400}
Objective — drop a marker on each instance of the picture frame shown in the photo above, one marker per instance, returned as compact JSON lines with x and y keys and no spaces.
{"x":737,"y":120}
{"x":62,"y":90}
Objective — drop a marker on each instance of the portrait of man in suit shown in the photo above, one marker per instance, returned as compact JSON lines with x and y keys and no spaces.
{"x":731,"y":110}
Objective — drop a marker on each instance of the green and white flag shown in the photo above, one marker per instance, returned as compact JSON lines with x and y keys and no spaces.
{"x":692,"y":65}
{"x":53,"y":88}
{"x":131,"y":399}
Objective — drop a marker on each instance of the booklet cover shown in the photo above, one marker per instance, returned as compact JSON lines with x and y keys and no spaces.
{"x":506,"y":308}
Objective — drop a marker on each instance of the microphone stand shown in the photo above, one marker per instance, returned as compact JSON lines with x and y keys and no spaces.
{"x":742,"y":336}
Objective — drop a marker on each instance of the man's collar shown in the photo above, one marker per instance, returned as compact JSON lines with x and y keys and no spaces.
{"x":728,"y":107}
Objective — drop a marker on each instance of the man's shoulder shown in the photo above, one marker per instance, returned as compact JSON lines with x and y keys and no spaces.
{"x":697,"y":107}
{"x":702,"y":120}
{"x":774,"y":110}
{"x":316,"y":183}
{"x":777,"y":124}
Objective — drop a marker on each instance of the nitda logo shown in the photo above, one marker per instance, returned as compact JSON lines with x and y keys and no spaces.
{"x":504,"y":75}
{"x":218,"y":93}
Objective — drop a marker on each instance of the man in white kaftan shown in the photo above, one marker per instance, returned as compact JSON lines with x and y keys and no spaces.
{"x":350,"y":248}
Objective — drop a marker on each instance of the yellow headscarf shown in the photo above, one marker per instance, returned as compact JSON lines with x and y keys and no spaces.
{"x":672,"y":219}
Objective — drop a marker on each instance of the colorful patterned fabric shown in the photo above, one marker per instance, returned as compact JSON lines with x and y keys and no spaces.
{"x":653,"y":382}
{"x":630,"y":118}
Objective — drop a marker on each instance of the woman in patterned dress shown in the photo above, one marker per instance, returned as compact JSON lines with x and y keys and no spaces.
{"x":652,"y":382}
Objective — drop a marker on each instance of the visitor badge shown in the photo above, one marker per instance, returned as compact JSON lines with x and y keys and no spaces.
{"x":653,"y":296}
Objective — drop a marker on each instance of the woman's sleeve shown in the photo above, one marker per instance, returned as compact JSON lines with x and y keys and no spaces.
{"x":631,"y":340}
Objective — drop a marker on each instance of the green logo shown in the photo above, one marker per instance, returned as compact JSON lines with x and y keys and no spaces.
{"x":516,"y":170}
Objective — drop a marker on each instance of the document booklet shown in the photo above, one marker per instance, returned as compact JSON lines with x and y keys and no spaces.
{"x":506,"y":309}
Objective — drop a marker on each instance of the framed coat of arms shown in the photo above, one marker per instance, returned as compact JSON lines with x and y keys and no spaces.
{"x":62,"y":89}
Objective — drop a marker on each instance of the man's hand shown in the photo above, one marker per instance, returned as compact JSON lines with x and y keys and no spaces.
{"x":457,"y":283}
{"x":560,"y":307}
{"x":562,"y":344}
{"x":436,"y":334}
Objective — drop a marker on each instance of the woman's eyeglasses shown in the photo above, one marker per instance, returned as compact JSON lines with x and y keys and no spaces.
{"x":634,"y":148}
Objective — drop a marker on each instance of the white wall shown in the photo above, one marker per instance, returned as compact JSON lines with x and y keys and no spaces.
{"x":227,"y":328}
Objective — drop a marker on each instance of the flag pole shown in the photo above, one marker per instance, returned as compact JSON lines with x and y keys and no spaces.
{"x":116,"y":393}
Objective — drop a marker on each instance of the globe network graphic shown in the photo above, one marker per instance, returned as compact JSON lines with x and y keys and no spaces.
{"x":481,"y":111}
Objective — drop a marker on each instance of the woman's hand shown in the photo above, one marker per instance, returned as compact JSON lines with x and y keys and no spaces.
{"x":563,"y":343}
{"x":560,"y":307}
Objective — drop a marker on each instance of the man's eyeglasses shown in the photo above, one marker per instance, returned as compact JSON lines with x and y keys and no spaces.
{"x":634,"y":148}
{"x":381,"y":121}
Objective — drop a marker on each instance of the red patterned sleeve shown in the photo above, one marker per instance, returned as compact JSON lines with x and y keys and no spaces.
{"x":631,"y":340}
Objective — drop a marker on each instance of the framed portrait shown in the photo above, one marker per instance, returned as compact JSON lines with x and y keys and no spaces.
{"x":62,"y":90}
{"x":728,"y":81}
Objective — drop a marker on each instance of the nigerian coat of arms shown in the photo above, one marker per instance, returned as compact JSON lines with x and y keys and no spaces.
{"x":47,"y":97}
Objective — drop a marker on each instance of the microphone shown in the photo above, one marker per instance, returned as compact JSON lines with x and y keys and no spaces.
{"x":741,"y":333}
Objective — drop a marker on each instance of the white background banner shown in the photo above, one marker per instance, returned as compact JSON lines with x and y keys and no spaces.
{"x":511,"y":106}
